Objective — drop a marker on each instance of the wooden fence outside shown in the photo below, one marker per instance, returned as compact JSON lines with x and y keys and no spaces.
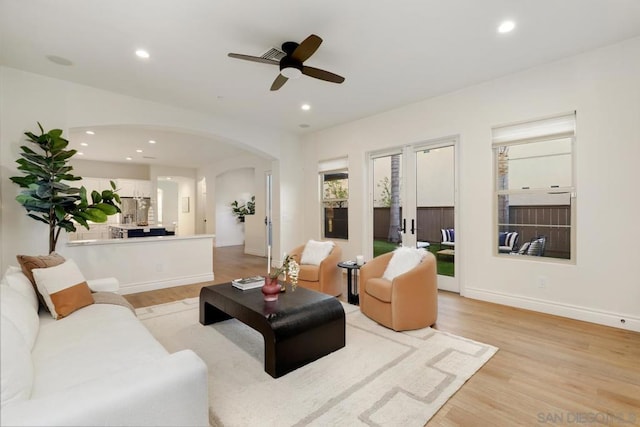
{"x":548,"y":221}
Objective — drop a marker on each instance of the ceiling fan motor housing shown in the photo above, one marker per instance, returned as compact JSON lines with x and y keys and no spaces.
{"x":290,"y":67}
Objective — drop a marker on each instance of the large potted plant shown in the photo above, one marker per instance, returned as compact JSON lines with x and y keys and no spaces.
{"x":45,"y":195}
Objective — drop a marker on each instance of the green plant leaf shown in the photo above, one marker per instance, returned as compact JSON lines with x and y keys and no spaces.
{"x":107,"y":208}
{"x":55,"y":133}
{"x":57,"y":145}
{"x":80,"y":220}
{"x":60,"y":213}
{"x":96,"y":197}
{"x":27,"y":149}
{"x":68,"y":226}
{"x":23,"y":181}
{"x":37,"y":218}
{"x":83,"y":198}
{"x":96,"y":215}
{"x":37,"y":158}
{"x":68,"y":177}
{"x":63,"y":155}
{"x":44,"y":191}
{"x":113,"y":185}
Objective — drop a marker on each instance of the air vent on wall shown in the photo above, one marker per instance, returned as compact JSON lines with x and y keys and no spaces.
{"x":274,"y":54}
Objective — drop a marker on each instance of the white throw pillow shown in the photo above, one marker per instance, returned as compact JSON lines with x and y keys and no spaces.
{"x":314,"y":252}
{"x":63,"y":288}
{"x":19,"y":311}
{"x":16,"y":280}
{"x":16,"y":372}
{"x":404,"y":259}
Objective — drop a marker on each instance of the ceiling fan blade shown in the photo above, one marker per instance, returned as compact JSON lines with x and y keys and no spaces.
{"x":306,"y":48}
{"x":278,"y":82}
{"x":253,"y":58}
{"x":322,"y":74}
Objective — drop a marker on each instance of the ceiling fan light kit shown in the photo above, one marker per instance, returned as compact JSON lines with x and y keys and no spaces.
{"x":292,"y":63}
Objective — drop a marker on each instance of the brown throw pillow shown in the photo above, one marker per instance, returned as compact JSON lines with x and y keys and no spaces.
{"x":28,"y":263}
{"x":64,"y":288}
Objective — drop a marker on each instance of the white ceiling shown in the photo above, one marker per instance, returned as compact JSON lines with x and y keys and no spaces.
{"x":391,"y":52}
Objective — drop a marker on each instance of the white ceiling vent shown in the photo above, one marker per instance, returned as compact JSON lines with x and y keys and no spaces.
{"x":273,"y":53}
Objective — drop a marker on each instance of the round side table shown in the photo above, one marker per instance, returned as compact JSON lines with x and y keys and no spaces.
{"x":353,"y":297}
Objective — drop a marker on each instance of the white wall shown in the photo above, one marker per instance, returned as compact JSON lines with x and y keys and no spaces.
{"x":27,"y":98}
{"x":169,"y":202}
{"x":217,"y":197}
{"x":110,"y":170}
{"x":185,"y":180}
{"x":603,"y":86}
{"x":237,"y":184}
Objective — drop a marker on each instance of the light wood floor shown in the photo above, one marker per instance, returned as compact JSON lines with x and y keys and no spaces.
{"x":549,"y":370}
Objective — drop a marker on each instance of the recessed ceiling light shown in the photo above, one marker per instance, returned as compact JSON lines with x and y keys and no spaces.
{"x":90,"y":132}
{"x":141,"y":53}
{"x":151,"y":141}
{"x":138,"y":151}
{"x":306,"y":107}
{"x":80,"y":153}
{"x":506,"y":26}
{"x":129,"y":158}
{"x":84,"y":144}
{"x":169,"y":178}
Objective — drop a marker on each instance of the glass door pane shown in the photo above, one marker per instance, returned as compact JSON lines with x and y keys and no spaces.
{"x":435,"y":205}
{"x":387,"y":203}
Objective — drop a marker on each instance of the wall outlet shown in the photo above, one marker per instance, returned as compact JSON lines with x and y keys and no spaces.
{"x":542,"y":282}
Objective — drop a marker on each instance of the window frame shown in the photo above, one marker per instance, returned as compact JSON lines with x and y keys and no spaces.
{"x":324,"y":201}
{"x":571,"y":190}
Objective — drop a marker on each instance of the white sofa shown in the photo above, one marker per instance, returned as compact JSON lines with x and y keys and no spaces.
{"x":98,"y":366}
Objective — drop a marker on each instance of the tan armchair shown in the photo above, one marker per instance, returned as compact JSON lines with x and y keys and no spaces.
{"x":410,"y":301}
{"x":326,"y":277}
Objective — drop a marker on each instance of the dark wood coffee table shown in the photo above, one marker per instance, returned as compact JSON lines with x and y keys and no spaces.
{"x":302,"y":326}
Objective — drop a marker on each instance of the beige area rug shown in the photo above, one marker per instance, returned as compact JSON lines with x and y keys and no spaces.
{"x":380,"y":378}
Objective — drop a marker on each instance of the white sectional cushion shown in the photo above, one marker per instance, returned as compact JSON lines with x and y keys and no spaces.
{"x":16,"y":367}
{"x":314,"y":252}
{"x":21,"y":313}
{"x":16,"y":280}
{"x":107,"y":284}
{"x":63,"y":288}
{"x":404,"y":259}
{"x":96,"y":341}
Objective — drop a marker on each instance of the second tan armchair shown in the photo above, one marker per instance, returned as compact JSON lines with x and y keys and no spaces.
{"x":326,"y":277}
{"x":409,"y":301}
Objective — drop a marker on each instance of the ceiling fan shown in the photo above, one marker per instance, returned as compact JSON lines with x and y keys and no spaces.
{"x":292,"y":63}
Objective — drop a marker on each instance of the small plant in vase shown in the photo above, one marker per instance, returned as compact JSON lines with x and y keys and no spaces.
{"x":289,"y":269}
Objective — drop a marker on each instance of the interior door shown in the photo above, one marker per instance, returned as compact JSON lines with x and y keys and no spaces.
{"x":268,"y":212}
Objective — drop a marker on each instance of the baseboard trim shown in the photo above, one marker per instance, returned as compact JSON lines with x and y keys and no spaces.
{"x":254,"y":251}
{"x":600,"y":317}
{"x":132,"y":288}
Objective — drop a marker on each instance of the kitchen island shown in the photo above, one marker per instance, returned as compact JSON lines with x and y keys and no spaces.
{"x":145,"y":263}
{"x":125,"y":231}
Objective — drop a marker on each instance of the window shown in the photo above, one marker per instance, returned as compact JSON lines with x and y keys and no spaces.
{"x":335,"y":200}
{"x":535,"y":187}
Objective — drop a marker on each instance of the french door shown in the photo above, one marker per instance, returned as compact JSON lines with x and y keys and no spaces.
{"x":413,"y":198}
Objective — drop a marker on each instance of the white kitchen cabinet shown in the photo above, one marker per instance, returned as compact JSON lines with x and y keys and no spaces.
{"x":133,"y":187}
